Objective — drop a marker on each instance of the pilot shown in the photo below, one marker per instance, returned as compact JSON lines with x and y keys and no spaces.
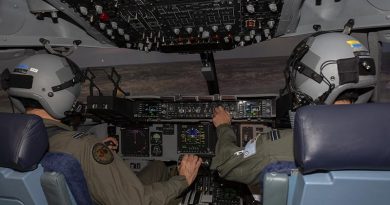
{"x":48,"y":85}
{"x":325,"y":68}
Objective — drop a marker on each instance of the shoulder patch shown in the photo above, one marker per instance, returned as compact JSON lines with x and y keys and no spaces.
{"x":102,"y":154}
{"x":79,"y":135}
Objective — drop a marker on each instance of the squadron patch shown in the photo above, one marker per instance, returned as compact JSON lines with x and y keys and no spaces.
{"x":102,"y":154}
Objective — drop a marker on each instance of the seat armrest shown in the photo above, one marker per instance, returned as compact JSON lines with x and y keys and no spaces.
{"x":56,"y":189}
{"x":71,"y":170}
{"x":275,"y":190}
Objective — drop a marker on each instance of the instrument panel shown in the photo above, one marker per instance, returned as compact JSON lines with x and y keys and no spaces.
{"x":167,"y":141}
{"x":124,"y":111}
{"x":249,"y":107}
{"x":164,"y":128}
{"x":241,"y":109}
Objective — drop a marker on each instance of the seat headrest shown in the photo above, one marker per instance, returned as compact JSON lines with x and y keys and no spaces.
{"x":342,"y":137}
{"x":23,"y":141}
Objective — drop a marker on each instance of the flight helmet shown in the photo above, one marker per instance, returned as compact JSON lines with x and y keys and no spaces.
{"x":49,"y":81}
{"x":329,"y":66}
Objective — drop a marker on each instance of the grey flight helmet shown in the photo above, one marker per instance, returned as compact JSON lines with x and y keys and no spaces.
{"x":325,"y":65}
{"x":51,"y":80}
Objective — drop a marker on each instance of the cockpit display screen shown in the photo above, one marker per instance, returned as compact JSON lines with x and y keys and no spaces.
{"x":135,"y":142}
{"x":148,"y":110}
{"x":193,"y":135}
{"x":195,"y":138}
{"x":250,"y":108}
{"x":151,"y":109}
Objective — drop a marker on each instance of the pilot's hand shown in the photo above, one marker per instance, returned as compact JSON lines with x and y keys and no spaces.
{"x":189,"y":167}
{"x":111,"y":143}
{"x":221,"y":116}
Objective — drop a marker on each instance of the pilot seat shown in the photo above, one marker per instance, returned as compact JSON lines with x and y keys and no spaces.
{"x":29,"y":175}
{"x":342,"y":156}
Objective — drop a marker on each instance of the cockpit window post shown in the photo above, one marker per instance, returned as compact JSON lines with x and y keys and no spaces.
{"x":209,"y":72}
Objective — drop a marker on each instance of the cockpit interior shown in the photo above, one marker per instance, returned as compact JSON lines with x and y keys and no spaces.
{"x":155,"y":70}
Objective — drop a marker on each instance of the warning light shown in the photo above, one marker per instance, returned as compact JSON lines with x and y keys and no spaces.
{"x":250,"y":23}
{"x":104,"y":17}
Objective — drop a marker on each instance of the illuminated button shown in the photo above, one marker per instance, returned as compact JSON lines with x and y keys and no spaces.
{"x":258,"y":38}
{"x":266,"y":33}
{"x":271,"y":23}
{"x":104,"y":17}
{"x":252,"y":33}
{"x":176,"y":31}
{"x":102,"y":26}
{"x":273,"y":7}
{"x":205,"y":34}
{"x":228,"y":27}
{"x":140,"y":46}
{"x":250,"y":8}
{"x":189,"y":30}
{"x":109,"y":32}
{"x":121,"y":31}
{"x":127,"y":37}
{"x":250,"y":23}
{"x":215,"y":28}
{"x":114,"y":25}
{"x":91,"y":18}
{"x":83,"y":10}
{"x":99,"y":9}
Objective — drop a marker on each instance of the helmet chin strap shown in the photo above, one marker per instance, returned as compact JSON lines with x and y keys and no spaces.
{"x":321,"y":99}
{"x":301,"y":99}
{"x":75,"y":116}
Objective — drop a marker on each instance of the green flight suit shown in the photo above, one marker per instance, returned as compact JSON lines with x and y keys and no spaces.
{"x":229,"y":159}
{"x":115,"y":183}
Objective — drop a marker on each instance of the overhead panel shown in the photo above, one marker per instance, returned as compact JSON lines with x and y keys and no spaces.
{"x":181,"y":25}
